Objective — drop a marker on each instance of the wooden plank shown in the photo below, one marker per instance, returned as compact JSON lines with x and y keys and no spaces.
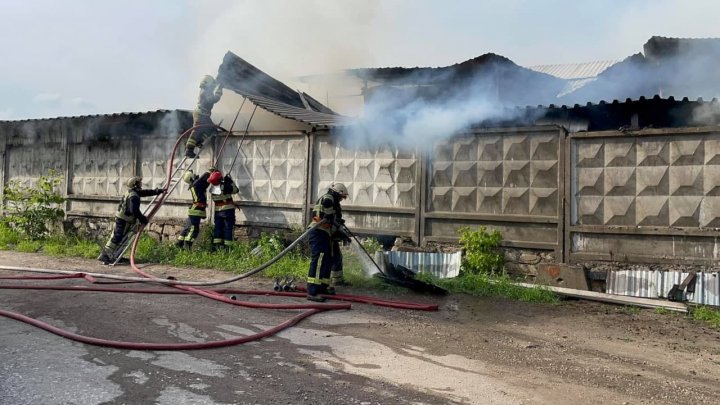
{"x":611,"y":298}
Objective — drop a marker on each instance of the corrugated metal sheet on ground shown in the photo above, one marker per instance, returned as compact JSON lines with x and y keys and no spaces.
{"x":657,"y":284}
{"x":442,"y":265}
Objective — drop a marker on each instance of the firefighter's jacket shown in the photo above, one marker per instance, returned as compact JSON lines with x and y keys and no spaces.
{"x":129,"y":207}
{"x":199,"y":195}
{"x":224,"y":201}
{"x":206,"y":100}
{"x":328,"y":208}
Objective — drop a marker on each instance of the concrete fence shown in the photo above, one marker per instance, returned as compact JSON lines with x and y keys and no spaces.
{"x":636,"y":196}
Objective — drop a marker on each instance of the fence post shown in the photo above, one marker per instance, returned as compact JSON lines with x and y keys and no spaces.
{"x":423,"y":158}
{"x":310,"y":155}
{"x":4,"y":134}
{"x":66,"y":130}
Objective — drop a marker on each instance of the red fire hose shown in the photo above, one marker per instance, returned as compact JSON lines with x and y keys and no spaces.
{"x":217,"y":295}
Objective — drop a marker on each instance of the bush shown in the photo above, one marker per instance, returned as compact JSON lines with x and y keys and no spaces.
{"x":482,"y":255}
{"x":33,"y":210}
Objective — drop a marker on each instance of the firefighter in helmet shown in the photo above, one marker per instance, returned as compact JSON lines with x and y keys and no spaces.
{"x":198,"y":187}
{"x":328,"y":212}
{"x":210,"y":93}
{"x":221,"y":194}
{"x":127,"y":216}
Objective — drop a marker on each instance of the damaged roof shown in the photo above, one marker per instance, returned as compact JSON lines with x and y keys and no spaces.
{"x":488,"y":73}
{"x":576,"y":74}
{"x":268,"y":93}
{"x":678,"y":67}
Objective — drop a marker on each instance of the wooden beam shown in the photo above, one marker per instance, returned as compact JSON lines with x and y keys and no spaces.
{"x":611,"y":298}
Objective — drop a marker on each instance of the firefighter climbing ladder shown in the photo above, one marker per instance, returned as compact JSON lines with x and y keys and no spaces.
{"x":177,"y":174}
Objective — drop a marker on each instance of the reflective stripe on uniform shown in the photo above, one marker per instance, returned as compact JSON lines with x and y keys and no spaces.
{"x":223,"y":202}
{"x":318,"y":280}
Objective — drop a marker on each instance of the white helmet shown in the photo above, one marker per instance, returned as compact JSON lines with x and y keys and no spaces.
{"x":133,"y":182}
{"x":207,"y":81}
{"x":340,"y":189}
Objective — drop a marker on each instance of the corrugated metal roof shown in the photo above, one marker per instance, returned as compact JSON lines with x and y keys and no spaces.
{"x":268,"y":93}
{"x":577,"y":74}
{"x":299,"y":114}
{"x":575,"y":70}
{"x":113,"y":115}
{"x":657,"y":284}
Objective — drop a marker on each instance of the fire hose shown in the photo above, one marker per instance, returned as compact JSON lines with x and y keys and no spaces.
{"x":186,"y":287}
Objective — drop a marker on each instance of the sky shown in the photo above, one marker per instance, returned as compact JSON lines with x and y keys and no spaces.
{"x":79,"y":57}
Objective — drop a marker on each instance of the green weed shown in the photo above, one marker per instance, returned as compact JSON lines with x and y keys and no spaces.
{"x":707,"y":314}
{"x":484,"y":285}
{"x":9,"y":237}
{"x":663,"y":311}
{"x":28,"y":246}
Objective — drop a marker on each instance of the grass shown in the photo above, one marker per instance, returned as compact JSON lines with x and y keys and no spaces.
{"x":706,"y":314}
{"x":495,"y":286}
{"x":295,"y":264}
{"x":663,"y":311}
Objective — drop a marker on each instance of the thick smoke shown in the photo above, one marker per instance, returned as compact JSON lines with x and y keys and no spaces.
{"x":425,"y":106}
{"x":405,"y":119}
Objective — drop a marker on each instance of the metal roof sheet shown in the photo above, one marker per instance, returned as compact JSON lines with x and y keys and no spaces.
{"x":113,"y":115}
{"x":299,"y":114}
{"x":575,"y":70}
{"x":272,"y":95}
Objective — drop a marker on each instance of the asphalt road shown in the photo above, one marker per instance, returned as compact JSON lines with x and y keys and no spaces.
{"x":297,"y":366}
{"x":472,"y":351}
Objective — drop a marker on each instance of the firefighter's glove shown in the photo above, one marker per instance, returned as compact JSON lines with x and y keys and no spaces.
{"x":143,"y":220}
{"x":160,"y":191}
{"x":344,"y":238}
{"x":341,"y":221}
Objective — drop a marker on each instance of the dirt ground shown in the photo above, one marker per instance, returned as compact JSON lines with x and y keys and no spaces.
{"x":477,"y":350}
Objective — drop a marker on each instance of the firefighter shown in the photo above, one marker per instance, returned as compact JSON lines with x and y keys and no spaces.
{"x":224,"y":217}
{"x":198,"y":188}
{"x":127,"y":216}
{"x":210,"y":93}
{"x":327,"y":210}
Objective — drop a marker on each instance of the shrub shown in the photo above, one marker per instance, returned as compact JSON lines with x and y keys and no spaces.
{"x":33,"y":210}
{"x":372,"y":245}
{"x":482,"y":255}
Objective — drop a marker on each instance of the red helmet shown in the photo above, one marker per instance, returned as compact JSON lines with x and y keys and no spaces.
{"x":215,"y":178}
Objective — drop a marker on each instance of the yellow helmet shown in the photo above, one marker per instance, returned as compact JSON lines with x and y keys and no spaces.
{"x":133,"y":182}
{"x":340,"y":189}
{"x":207,"y":81}
{"x":189,"y":177}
